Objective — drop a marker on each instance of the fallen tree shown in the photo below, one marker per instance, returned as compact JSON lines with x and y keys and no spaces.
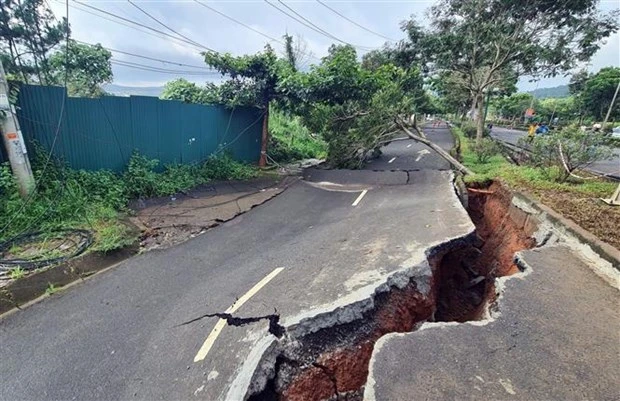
{"x":421,"y":137}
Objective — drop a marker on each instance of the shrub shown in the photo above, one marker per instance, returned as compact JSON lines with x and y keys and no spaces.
{"x":291,"y":140}
{"x":559,"y":153}
{"x":486,"y":149}
{"x":140,"y":177}
{"x":470,"y":130}
{"x":223,"y":167}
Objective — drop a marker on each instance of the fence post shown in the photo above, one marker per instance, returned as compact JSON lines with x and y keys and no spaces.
{"x":14,"y":141}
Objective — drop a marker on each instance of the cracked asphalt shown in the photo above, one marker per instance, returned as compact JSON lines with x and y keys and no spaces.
{"x":119,"y":335}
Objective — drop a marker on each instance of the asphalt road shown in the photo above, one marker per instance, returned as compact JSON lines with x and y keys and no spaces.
{"x":606,"y":167}
{"x":321,"y":244}
{"x":411,"y":155}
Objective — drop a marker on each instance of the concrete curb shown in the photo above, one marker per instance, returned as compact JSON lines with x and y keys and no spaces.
{"x":605,"y":251}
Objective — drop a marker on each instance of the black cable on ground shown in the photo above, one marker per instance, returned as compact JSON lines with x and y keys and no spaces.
{"x":85,"y":240}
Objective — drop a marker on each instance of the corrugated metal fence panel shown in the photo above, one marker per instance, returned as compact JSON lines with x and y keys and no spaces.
{"x":102,"y":133}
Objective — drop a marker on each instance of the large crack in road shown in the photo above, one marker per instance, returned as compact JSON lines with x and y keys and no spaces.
{"x":459,"y":286}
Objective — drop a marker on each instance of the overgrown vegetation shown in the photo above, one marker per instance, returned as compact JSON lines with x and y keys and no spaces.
{"x":576,"y":199}
{"x":291,"y":140}
{"x":559,"y":154}
{"x":97,"y":200}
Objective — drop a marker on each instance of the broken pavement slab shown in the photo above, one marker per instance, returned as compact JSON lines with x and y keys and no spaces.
{"x":556,"y":337}
{"x":170,"y":220}
{"x":337,"y":281}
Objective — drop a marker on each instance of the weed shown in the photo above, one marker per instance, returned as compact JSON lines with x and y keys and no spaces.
{"x":17,"y":273}
{"x":291,"y":140}
{"x":97,"y":201}
{"x":51,"y":289}
{"x":485,"y":149}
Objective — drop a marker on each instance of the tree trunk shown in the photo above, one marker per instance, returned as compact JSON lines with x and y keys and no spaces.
{"x":262,"y":162}
{"x":419,"y":138}
{"x":480,"y":117}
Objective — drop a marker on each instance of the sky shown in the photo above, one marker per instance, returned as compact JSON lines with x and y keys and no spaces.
{"x":207,"y":29}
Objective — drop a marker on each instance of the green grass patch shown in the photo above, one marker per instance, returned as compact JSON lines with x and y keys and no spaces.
{"x":97,"y":200}
{"x":291,"y":140}
{"x":531,"y":178}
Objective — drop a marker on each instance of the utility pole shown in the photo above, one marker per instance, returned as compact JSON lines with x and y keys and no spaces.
{"x":14,"y":141}
{"x":611,"y":106}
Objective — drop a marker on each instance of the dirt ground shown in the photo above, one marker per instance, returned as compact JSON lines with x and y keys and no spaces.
{"x":590,"y":213}
{"x":169,"y":220}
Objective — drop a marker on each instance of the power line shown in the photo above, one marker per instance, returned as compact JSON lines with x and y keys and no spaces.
{"x":148,"y":58}
{"x":249,"y":27}
{"x":167,"y":27}
{"x":54,"y":141}
{"x":141,"y":25}
{"x":306,"y":22}
{"x":239,"y":22}
{"x":145,"y":67}
{"x":160,"y":36}
{"x":353,"y":22}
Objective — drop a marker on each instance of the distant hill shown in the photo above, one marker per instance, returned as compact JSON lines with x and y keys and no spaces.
{"x":121,"y":90}
{"x":556,"y":91}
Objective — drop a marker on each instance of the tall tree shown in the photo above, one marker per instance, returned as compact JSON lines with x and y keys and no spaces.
{"x":483,"y":41}
{"x":253,"y":81}
{"x":38,"y":32}
{"x":87,"y":68}
{"x":598,"y":92}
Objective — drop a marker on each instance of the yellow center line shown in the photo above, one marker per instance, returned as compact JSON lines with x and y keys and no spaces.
{"x":221,"y":323}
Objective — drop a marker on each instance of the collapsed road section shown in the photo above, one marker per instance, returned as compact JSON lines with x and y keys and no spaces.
{"x":456,"y":283}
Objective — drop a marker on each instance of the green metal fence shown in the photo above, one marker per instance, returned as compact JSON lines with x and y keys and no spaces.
{"x":102,"y":133}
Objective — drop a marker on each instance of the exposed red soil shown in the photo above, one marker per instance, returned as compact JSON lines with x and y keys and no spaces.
{"x":463,"y":283}
{"x":467,"y":275}
{"x":346,"y":369}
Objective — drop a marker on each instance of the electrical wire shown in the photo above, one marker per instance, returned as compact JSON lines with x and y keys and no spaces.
{"x":141,"y":25}
{"x":145,"y":67}
{"x":239,"y":22}
{"x":161,"y":35}
{"x":149,"y":58}
{"x":353,"y":22}
{"x":167,"y":27}
{"x":35,"y":190}
{"x":309,"y":24}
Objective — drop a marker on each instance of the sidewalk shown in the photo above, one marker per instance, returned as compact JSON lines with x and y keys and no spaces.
{"x":557,"y":337}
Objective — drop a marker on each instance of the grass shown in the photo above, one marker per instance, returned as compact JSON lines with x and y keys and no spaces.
{"x":577,"y":200}
{"x":17,"y":273}
{"x":291,"y":140}
{"x":52,"y":289}
{"x":97,"y":200}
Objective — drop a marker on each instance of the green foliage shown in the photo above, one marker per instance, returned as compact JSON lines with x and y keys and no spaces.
{"x":490,"y":43}
{"x":97,"y":201}
{"x":28,"y":33}
{"x":17,"y":273}
{"x":533,"y":178}
{"x":353,"y":108}
{"x":88,"y":67}
{"x":52,"y":289}
{"x":561,"y":152}
{"x":598,"y":92}
{"x":485,"y":149}
{"x":182,"y":90}
{"x":513,"y":107}
{"x":141,"y":178}
{"x":470,"y":130}
{"x":223,"y":167}
{"x":254,"y":79}
{"x":291,"y":140}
